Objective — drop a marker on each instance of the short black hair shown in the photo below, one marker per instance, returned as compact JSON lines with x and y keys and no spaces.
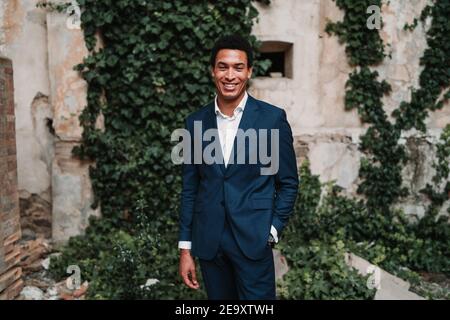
{"x":233,"y":41}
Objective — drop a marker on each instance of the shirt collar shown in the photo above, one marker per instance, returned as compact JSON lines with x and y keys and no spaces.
{"x":240,"y":107}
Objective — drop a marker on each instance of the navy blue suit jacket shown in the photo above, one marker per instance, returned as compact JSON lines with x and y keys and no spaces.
{"x":252,"y":202}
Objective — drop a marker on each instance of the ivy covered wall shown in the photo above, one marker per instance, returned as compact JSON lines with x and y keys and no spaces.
{"x":149,"y":69}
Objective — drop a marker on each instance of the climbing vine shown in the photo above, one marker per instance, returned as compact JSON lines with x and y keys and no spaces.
{"x":421,"y":246}
{"x":381,"y":168}
{"x":434,"y":80}
{"x":363,"y":46}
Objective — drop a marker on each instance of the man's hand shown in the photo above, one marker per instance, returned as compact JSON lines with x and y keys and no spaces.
{"x":271,"y":241}
{"x":187,"y":269}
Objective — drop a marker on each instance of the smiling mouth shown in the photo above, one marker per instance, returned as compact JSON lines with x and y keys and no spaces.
{"x":229,"y":86}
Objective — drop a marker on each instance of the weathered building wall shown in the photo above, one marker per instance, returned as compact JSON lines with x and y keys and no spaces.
{"x":54,"y":187}
{"x":25,"y":43}
{"x":314,"y":98}
{"x":10,"y":272}
{"x":72,"y":194}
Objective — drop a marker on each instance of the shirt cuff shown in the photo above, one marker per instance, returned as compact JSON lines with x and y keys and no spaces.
{"x":274,"y":233}
{"x":188,"y":244}
{"x":184,"y":245}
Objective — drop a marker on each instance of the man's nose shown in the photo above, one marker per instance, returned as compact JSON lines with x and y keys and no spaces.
{"x":230,"y":74}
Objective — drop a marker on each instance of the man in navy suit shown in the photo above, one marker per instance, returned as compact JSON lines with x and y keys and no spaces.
{"x":231,"y":210}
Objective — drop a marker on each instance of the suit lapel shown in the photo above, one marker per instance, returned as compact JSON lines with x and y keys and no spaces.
{"x":211,"y":123}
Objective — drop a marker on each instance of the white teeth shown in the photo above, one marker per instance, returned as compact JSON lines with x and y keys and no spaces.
{"x":230,"y":86}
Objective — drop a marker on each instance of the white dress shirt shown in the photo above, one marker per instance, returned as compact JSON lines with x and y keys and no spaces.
{"x":227,"y":127}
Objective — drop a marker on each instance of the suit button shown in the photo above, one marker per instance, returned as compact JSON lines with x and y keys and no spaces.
{"x":222,"y":203}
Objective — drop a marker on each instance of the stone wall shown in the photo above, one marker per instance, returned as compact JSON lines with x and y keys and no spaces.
{"x":71,"y":188}
{"x":324,"y":132}
{"x":10,"y":272}
{"x":23,"y":39}
{"x":54,"y":187}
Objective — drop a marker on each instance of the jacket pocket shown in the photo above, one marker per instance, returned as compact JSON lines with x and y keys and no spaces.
{"x":262,"y":203}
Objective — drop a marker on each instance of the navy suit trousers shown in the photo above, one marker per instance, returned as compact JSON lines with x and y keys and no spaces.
{"x":230,"y":275}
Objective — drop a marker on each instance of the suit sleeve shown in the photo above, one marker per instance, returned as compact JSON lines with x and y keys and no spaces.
{"x":190,"y":184}
{"x":286,"y":179}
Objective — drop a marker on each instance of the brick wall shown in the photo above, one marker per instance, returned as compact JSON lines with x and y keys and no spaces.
{"x":10,"y":272}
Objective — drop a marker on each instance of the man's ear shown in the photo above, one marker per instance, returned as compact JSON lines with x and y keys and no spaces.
{"x":250,"y":71}
{"x":212,"y":72}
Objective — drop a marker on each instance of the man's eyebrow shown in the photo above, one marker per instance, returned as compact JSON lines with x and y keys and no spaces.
{"x":239,"y":64}
{"x":222,"y":63}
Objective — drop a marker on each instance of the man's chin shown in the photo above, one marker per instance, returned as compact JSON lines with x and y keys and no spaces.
{"x":229,"y":96}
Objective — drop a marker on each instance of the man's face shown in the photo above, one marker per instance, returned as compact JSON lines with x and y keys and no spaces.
{"x":231,"y":73}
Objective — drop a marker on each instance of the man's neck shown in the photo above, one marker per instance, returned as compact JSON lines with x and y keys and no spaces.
{"x":227,"y":106}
